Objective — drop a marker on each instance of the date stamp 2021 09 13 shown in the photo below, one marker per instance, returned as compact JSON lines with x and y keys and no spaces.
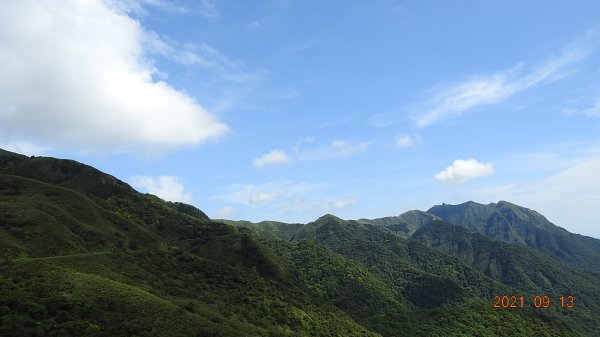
{"x":537,"y":302}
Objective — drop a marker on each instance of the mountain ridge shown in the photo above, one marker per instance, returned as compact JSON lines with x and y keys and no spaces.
{"x":82,"y":253}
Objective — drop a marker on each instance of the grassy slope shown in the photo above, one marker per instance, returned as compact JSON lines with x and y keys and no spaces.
{"x":157,"y":293}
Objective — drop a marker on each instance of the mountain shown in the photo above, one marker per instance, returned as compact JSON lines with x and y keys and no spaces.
{"x":515,"y":265}
{"x":514,"y":224}
{"x":269,"y":229}
{"x":448,"y":279}
{"x":404,"y":224}
{"x":84,"y":254}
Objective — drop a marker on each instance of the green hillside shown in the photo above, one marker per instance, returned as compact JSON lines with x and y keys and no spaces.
{"x":78,"y":261}
{"x":519,"y":225}
{"x":404,"y":224}
{"x":517,"y":266}
{"x":423,"y":281}
{"x":83,"y":254}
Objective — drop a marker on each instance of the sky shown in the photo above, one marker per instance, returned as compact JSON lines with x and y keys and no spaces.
{"x":287,"y":110}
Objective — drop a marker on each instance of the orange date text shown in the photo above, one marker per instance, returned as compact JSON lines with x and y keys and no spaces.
{"x":537,"y":302}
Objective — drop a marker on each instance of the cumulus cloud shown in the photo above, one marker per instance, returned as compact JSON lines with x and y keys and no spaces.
{"x":75,"y":74}
{"x":165,"y":187}
{"x":273,"y":158}
{"x":404,"y":140}
{"x":453,"y":100}
{"x":463,"y":170}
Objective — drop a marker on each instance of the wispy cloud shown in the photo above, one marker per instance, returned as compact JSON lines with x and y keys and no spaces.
{"x":454,"y":100}
{"x":383,"y":120}
{"x":337,"y":149}
{"x":591,"y":110}
{"x":285,"y":196}
{"x":226,"y":212}
{"x":209,"y":9}
{"x":463,"y":170}
{"x":343,"y":203}
{"x":332,"y":123}
{"x":165,"y":187}
{"x":273,"y":158}
{"x":206,"y":8}
{"x":258,"y":194}
{"x":198,"y":54}
{"x":403,"y":140}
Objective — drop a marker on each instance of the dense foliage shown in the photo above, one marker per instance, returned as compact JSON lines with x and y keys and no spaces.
{"x":83,"y":254}
{"x":507,"y":222}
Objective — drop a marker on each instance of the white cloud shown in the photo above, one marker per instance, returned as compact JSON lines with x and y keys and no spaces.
{"x":226,"y":212}
{"x":258,"y":194}
{"x":284,"y":200}
{"x":283,"y":195}
{"x":404,"y":140}
{"x":344,"y":148}
{"x":165,"y":187}
{"x":273,"y":158}
{"x":383,"y":120}
{"x":317,"y":205}
{"x":337,"y":148}
{"x":297,"y":148}
{"x":75,"y":74}
{"x":453,"y":100}
{"x":262,"y":197}
{"x":463,"y":170}
{"x":593,"y":110}
{"x":206,"y":8}
{"x":209,"y":9}
{"x":197,"y":54}
{"x":343,"y":203}
{"x":138,"y":6}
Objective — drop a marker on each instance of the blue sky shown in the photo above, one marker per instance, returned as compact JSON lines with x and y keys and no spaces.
{"x":287,"y":110}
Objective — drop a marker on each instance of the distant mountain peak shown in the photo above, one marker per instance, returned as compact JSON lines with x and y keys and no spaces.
{"x":329,"y":217}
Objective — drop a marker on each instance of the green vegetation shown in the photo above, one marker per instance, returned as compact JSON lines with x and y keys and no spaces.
{"x":507,"y":222}
{"x":419,"y":289}
{"x":83,"y":254}
{"x":522,"y":268}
